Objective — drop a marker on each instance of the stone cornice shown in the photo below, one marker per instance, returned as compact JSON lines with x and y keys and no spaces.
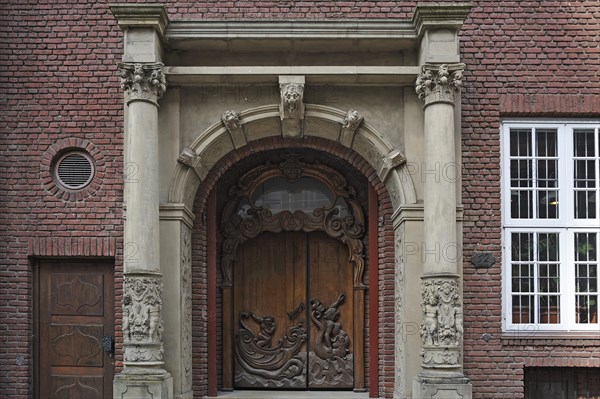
{"x":292,"y":30}
{"x":141,"y":16}
{"x":440,"y":15}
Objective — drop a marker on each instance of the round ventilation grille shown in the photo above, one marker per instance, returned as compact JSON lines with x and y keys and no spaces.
{"x":74,"y":170}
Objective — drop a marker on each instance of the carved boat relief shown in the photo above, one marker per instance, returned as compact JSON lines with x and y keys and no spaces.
{"x":260,"y":363}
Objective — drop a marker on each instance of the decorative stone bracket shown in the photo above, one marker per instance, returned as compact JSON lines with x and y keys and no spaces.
{"x":351,"y":123}
{"x":231,"y":120}
{"x":291,"y":105}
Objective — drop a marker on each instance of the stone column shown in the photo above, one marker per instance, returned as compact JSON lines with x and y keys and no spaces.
{"x":438,"y":86}
{"x":143,"y":372}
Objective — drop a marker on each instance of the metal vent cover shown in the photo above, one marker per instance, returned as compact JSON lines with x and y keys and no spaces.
{"x":74,"y":170}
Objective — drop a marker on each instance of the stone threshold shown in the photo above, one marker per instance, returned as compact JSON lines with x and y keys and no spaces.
{"x":290,"y":395}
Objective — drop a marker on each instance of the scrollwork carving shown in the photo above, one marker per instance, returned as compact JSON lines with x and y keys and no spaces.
{"x":143,"y":82}
{"x":439,"y":83}
{"x":243,"y":220}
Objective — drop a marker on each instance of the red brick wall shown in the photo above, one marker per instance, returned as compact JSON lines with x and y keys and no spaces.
{"x":528,"y":59}
{"x":57,"y":85}
{"x":58,"y":81}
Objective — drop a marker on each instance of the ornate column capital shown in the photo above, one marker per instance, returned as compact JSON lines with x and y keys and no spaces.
{"x":142,"y":82}
{"x":439,"y":83}
{"x":442,"y":325}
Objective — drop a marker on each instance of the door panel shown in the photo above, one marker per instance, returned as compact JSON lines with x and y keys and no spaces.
{"x":75,"y":312}
{"x":270,"y":282}
{"x":283,"y":283}
{"x":331,"y":330}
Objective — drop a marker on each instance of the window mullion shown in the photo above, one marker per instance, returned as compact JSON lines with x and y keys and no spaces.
{"x":534,"y":174}
{"x":567,"y":276}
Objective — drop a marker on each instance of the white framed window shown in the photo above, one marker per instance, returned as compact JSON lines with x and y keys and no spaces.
{"x":551,"y":225}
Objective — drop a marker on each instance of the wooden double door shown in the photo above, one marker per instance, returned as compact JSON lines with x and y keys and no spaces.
{"x":293,"y":313}
{"x":74,"y":329}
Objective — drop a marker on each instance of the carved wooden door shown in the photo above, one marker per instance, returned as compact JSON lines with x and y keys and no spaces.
{"x":293,"y":313}
{"x":75,"y":328}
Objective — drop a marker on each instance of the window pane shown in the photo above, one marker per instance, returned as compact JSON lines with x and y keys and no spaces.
{"x":521,"y":204}
{"x":585,"y":179}
{"x":522,"y":311}
{"x":520,"y":142}
{"x":522,"y":246}
{"x":549,"y":309}
{"x":305,"y":194}
{"x":586,"y":278}
{"x":547,"y":202}
{"x":585,"y":173}
{"x":546,"y":142}
{"x":583,"y":143}
{"x":521,"y":173}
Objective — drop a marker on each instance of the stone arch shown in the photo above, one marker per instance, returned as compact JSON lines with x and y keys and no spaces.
{"x":331,"y":128}
{"x":321,"y":121}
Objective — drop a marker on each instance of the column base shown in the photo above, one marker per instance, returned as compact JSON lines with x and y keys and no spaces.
{"x":136,"y":386}
{"x":442,"y":388}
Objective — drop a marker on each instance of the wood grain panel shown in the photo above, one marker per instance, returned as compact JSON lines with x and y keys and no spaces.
{"x":74,"y":311}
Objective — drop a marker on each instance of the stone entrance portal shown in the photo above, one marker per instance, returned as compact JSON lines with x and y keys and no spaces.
{"x":368,"y":107}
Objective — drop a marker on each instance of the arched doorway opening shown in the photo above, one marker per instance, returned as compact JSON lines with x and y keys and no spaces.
{"x":293,"y":267}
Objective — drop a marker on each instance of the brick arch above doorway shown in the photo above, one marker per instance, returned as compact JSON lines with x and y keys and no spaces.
{"x":356,"y":170}
{"x":237,"y":130}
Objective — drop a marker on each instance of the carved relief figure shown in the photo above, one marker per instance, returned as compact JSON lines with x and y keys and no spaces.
{"x":352,"y":120}
{"x":291,"y":98}
{"x":331,"y":340}
{"x":141,"y":310}
{"x":267,"y":329}
{"x":231,"y":120}
{"x":442,"y":313}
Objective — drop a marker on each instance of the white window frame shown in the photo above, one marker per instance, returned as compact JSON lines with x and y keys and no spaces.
{"x":566,"y":224}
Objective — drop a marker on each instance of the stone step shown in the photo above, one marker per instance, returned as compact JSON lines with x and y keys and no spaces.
{"x":290,"y":395}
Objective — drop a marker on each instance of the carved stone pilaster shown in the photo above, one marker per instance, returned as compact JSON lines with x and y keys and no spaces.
{"x":142,"y":319}
{"x":442,"y":325}
{"x":142,"y":82}
{"x":186,"y":307}
{"x":439,"y":83}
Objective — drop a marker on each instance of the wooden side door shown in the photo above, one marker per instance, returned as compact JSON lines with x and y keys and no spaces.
{"x":330,"y":293}
{"x":75,"y":317}
{"x":269,"y":315}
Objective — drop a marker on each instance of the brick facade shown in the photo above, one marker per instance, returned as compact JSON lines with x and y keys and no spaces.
{"x":58,"y":82}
